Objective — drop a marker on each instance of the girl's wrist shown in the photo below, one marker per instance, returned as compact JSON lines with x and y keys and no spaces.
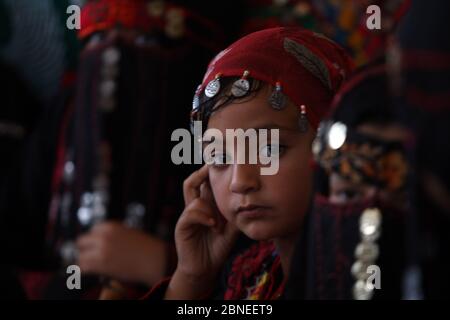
{"x":188,"y":287}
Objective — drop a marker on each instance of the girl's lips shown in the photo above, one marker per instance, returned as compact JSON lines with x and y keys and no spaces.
{"x":252,"y":211}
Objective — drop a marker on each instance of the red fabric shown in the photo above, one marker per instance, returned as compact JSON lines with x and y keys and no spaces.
{"x":265,"y":56}
{"x":101,"y":15}
{"x":246,"y":269}
{"x":34,"y":283}
{"x":105,"y":14}
{"x":249,"y":266}
{"x":158,"y":291}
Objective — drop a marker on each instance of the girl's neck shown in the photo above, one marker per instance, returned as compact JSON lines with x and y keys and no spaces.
{"x":285,"y":248}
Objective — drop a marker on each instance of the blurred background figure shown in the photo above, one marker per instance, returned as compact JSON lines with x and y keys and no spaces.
{"x":361,"y":184}
{"x":115,"y":189}
{"x":344,"y":21}
{"x":385,"y":141}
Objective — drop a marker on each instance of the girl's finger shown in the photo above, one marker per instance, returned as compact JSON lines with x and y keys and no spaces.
{"x":207,"y":194}
{"x":197,"y":213}
{"x":191,"y":186}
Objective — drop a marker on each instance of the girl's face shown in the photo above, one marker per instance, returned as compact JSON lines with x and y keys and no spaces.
{"x":264,"y":206}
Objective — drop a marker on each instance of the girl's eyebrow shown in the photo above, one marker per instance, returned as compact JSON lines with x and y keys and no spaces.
{"x":268,"y":126}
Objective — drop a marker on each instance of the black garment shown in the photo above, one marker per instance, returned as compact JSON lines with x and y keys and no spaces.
{"x":424,"y":98}
{"x":25,"y":171}
{"x":26,"y":165}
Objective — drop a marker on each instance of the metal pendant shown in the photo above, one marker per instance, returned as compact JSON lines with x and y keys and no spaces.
{"x":111,"y":56}
{"x":303,"y":124}
{"x":196,"y":99}
{"x":85,"y":214}
{"x":213,"y":88}
{"x":370,"y":224}
{"x":361,"y":290}
{"x":303,"y":121}
{"x":195,"y":102}
{"x":277,"y":99}
{"x":366,"y":251}
{"x":108,"y":86}
{"x":240,"y":88}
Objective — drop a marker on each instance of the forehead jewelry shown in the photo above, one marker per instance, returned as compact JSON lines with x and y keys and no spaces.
{"x":213,"y":87}
{"x":196,"y":99}
{"x":241,"y":87}
{"x":277,"y":100}
{"x":303,"y":121}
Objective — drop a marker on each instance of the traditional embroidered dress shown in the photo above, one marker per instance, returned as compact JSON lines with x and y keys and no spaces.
{"x":256,"y":274}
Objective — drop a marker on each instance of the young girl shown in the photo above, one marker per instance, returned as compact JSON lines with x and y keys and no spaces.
{"x":281,"y":78}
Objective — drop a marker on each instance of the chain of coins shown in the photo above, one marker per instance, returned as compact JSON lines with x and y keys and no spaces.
{"x":109,"y":74}
{"x":366,"y":253}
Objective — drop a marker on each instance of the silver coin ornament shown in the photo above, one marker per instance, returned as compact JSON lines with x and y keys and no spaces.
{"x":213,"y":88}
{"x":110,"y":71}
{"x":303,"y":124}
{"x":303,"y":121}
{"x":240,"y":88}
{"x":277,"y":99}
{"x":111,"y":56}
{"x":195,"y":102}
{"x":370,"y":222}
{"x":192,"y":126}
{"x":359,"y":270}
{"x":196,"y":99}
{"x":366,"y":252}
{"x":361,"y":291}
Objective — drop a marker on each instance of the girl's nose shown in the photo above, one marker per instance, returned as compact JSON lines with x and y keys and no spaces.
{"x":245,"y":178}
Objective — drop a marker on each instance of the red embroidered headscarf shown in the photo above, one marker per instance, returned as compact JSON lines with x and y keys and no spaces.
{"x":309,"y":66}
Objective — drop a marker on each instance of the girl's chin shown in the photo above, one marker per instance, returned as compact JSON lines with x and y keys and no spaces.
{"x":258,"y":234}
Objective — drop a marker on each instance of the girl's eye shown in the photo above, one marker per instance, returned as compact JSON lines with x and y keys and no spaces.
{"x":272,"y":150}
{"x":219,"y":159}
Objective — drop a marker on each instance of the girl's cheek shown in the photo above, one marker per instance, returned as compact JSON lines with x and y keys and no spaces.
{"x":220,"y":191}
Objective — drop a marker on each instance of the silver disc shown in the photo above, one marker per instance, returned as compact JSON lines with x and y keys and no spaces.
{"x":240,"y":88}
{"x":212,"y":88}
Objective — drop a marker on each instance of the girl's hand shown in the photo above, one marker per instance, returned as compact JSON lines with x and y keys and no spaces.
{"x":114,"y":250}
{"x":203,"y":239}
